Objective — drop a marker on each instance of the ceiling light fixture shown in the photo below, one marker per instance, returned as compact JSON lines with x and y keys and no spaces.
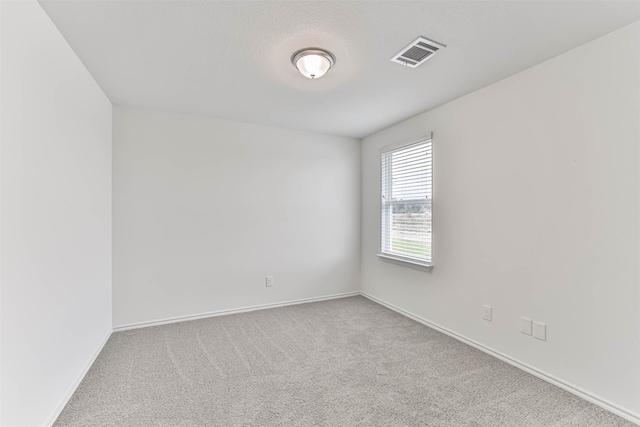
{"x":313,"y":62}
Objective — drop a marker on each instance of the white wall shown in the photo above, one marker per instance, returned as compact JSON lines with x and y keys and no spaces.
{"x":204,"y":209}
{"x":536,"y":213}
{"x":56,"y":217}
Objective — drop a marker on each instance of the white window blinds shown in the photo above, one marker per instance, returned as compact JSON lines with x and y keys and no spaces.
{"x":406,"y":202}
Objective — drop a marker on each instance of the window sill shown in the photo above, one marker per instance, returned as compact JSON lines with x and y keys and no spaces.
{"x":410,"y":262}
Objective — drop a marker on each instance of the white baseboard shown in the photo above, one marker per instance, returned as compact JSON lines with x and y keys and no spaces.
{"x":230,"y":311}
{"x":634,"y":418}
{"x":77,"y":382}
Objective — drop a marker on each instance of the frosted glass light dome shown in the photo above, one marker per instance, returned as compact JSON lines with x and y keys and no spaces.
{"x":313,"y":62}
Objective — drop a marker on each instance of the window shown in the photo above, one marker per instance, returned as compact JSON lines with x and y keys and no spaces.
{"x":406,"y":203}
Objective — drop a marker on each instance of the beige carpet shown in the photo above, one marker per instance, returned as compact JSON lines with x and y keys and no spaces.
{"x":345,"y":362}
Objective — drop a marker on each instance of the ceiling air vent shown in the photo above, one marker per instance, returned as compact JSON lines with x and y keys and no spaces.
{"x":417,"y":52}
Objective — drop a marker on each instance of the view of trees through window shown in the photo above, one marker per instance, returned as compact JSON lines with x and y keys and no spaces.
{"x":411,"y":229}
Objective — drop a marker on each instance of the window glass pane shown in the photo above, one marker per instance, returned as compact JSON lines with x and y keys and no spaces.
{"x":411,"y":229}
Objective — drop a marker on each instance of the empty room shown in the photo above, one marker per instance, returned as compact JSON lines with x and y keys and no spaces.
{"x":319,"y":213}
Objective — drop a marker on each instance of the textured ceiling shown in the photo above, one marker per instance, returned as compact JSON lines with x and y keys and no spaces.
{"x":230,"y":59}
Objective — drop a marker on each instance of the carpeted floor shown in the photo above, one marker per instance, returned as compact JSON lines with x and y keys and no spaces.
{"x":344,"y":362}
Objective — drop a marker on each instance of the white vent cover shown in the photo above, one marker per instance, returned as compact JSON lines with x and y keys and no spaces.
{"x":417,"y":52}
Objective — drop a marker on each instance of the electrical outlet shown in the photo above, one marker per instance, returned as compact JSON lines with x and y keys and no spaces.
{"x":525,"y":326}
{"x":486,"y":313}
{"x":269,"y":281}
{"x":540,"y":331}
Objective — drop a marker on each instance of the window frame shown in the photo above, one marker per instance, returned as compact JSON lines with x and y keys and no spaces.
{"x":406,"y":260}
